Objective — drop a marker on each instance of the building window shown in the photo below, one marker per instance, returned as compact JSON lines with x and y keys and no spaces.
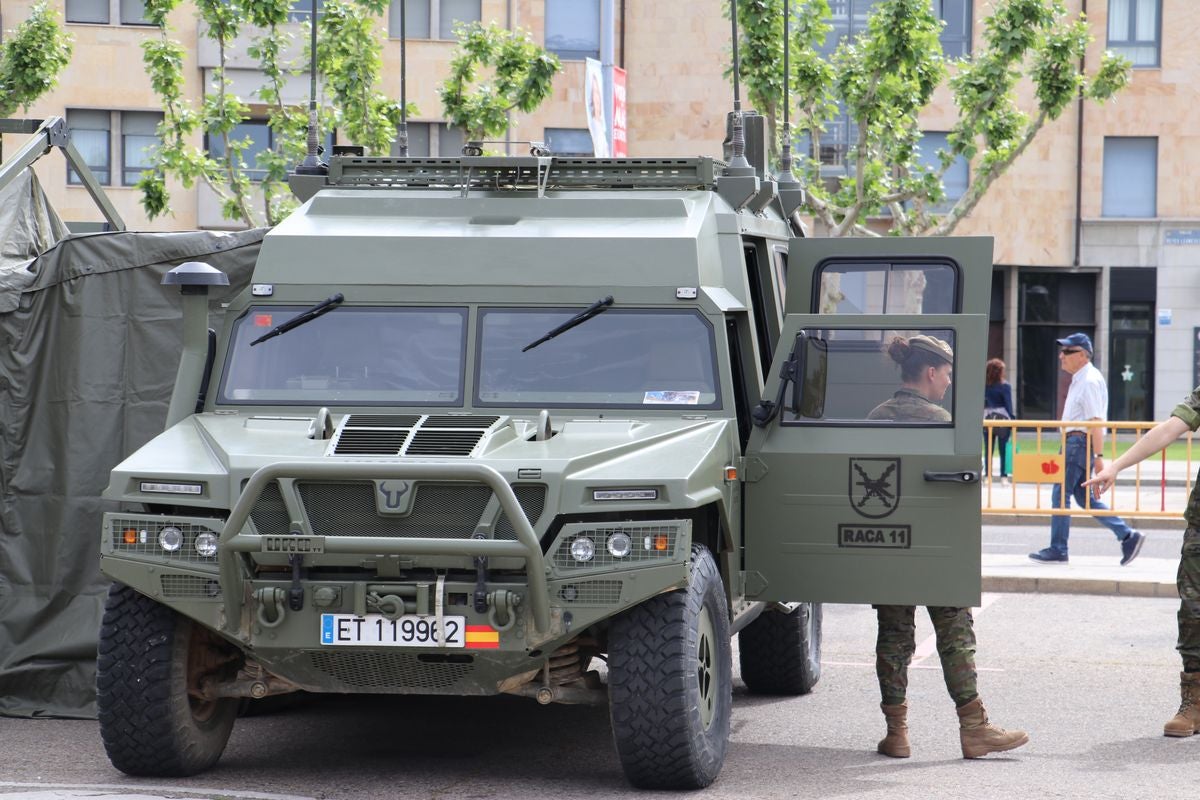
{"x":260,"y":136}
{"x":957,"y":177}
{"x":301,"y":10}
{"x":1134,"y":30}
{"x":848,"y":18}
{"x":88,"y":11}
{"x":127,"y":12}
{"x":432,"y":19}
{"x":91,"y":133}
{"x":1130,"y":176}
{"x":956,"y":35}
{"x":432,"y":139}
{"x":569,"y":141}
{"x":573,"y":28}
{"x":139,"y":139}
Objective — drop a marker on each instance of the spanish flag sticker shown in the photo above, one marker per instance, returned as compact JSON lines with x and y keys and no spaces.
{"x":482,"y":637}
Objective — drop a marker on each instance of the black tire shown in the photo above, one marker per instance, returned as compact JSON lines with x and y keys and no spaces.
{"x":670,"y":676}
{"x":780,"y":653}
{"x":150,"y":725}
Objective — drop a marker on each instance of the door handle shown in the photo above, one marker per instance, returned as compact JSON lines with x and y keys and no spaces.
{"x":962,"y":476}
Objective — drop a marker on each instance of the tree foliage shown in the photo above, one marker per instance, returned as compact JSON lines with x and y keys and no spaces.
{"x":885,"y":77}
{"x":519,"y":75}
{"x":31,"y":57}
{"x":348,"y":62}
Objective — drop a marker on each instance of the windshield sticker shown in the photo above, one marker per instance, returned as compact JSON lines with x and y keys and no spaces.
{"x":690,"y":398}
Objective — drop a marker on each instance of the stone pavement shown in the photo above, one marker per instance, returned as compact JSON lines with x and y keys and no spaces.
{"x":1145,"y":577}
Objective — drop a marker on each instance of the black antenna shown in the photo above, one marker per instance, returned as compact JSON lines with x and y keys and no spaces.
{"x":785,"y":165}
{"x":402,"y":134}
{"x":738,"y":159}
{"x":311,"y":164}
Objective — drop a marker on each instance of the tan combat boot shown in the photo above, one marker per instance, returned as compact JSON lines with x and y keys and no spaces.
{"x":979,"y":737}
{"x":895,"y":744}
{"x":1187,"y":720}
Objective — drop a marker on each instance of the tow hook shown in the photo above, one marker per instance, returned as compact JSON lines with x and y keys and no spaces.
{"x":270,"y":606}
{"x":296,"y":593}
{"x":503,"y":598}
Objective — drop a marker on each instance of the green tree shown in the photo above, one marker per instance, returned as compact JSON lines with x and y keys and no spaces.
{"x":886,"y":76}
{"x":520,"y":75}
{"x":31,"y":57}
{"x":348,"y":61}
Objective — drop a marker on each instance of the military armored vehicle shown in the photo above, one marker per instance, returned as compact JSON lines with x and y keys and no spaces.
{"x":552,"y":427}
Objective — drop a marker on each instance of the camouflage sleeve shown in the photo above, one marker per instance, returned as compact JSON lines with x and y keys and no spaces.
{"x":1189,"y":409}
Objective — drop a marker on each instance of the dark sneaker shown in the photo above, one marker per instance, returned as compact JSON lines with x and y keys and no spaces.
{"x":1048,"y":556}
{"x":1131,"y":546}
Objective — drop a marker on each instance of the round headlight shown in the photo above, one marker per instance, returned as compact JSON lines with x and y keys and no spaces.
{"x":206,"y":544}
{"x":583,"y":548}
{"x":619,"y":544}
{"x":170,"y":538}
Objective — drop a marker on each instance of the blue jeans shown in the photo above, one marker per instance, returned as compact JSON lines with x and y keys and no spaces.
{"x":1077,"y":472}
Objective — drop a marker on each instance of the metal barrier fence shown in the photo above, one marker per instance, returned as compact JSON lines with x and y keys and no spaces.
{"x":1157,"y":487}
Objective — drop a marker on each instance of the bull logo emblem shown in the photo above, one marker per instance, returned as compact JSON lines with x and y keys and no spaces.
{"x":393,"y":497}
{"x":874,"y":486}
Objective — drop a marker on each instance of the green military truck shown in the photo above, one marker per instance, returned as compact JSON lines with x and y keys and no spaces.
{"x":480,"y":424}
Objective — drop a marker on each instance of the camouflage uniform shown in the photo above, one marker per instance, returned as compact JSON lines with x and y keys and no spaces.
{"x":1188,"y":577}
{"x":907,"y":405}
{"x":953,"y":627}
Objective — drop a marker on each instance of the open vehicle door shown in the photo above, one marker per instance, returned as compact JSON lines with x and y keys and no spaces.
{"x":844,"y":507}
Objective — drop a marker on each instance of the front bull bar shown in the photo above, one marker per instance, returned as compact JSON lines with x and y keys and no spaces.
{"x":233,"y":540}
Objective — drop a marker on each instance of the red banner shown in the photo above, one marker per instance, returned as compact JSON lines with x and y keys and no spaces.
{"x":620,"y":146}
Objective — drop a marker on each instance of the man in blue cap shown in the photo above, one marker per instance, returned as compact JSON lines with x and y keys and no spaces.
{"x":1087,"y":400}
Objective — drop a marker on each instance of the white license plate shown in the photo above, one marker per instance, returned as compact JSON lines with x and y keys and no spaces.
{"x":376,"y":630}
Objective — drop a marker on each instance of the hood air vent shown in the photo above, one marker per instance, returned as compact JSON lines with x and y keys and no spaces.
{"x":434,"y":435}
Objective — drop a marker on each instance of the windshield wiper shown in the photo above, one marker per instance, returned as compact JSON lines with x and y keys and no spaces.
{"x":598,"y":307}
{"x":323,"y":307}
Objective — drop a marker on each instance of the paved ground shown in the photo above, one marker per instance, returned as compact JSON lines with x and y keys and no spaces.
{"x":1092,"y":679}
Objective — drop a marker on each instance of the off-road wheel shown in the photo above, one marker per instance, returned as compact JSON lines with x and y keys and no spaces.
{"x":670,"y":674}
{"x":152,"y":720}
{"x":780,"y":653}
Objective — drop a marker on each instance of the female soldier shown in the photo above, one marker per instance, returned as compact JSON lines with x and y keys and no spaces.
{"x":925,"y":371}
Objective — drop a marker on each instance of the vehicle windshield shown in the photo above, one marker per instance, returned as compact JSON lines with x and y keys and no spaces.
{"x":355,"y":355}
{"x":624,"y":358}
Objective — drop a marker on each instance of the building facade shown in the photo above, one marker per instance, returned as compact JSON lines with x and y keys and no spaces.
{"x":1097,"y":224}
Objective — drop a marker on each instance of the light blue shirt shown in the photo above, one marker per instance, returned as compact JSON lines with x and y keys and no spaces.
{"x":1087,"y":397}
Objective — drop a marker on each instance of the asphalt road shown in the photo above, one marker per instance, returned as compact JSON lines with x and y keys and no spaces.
{"x":1091,"y":678}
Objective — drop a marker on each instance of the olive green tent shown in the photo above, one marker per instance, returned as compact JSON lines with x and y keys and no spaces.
{"x":89,"y":345}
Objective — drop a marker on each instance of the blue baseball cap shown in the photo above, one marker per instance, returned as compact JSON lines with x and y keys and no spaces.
{"x":1077,"y":340}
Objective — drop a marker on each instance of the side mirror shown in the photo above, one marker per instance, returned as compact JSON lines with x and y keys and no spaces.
{"x":808,"y":391}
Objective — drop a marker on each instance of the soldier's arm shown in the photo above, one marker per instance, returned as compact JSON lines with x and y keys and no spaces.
{"x":1156,"y":439}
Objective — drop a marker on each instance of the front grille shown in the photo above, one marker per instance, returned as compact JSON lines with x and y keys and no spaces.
{"x":269,"y":514}
{"x":532,"y":498}
{"x":391,"y":670}
{"x":443,"y":510}
{"x":450,"y":510}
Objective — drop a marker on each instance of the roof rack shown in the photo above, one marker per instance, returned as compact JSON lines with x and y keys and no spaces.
{"x":523,"y":172}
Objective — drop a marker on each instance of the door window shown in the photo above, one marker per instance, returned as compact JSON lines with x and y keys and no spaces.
{"x":887,"y":288}
{"x":873,"y":377}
